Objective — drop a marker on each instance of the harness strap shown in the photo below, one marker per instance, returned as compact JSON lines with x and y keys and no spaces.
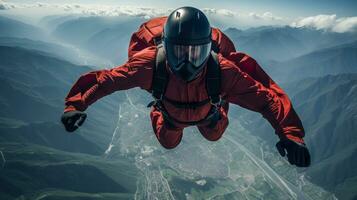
{"x":214,"y":47}
{"x":212,"y":117}
{"x":160,"y":77}
{"x":213,"y":85}
{"x":188,"y":105}
{"x":157,"y":40}
{"x":213,"y":79}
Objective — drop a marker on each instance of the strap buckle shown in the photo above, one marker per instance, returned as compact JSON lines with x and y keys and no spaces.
{"x":157,"y":100}
{"x":216,"y":102}
{"x":157,"y":95}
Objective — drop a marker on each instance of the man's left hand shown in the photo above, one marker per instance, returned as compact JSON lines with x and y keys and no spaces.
{"x":297,"y":153}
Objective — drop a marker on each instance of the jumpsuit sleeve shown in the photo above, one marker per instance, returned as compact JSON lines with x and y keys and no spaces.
{"x":91,"y":86}
{"x":250,"y":66}
{"x":251,"y":94}
{"x":137,"y":42}
{"x":225,"y":45}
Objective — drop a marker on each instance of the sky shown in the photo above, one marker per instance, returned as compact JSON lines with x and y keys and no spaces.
{"x":292,"y":8}
{"x":334,"y":15}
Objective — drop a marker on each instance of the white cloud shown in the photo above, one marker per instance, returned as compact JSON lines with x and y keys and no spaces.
{"x":318,"y":22}
{"x":222,"y":12}
{"x":348,"y":24}
{"x":265,"y":16}
{"x":6,"y":6}
{"x":106,"y":10}
{"x":221,"y":17}
{"x":97,"y":10}
{"x":119,"y":11}
{"x":225,"y":18}
{"x":328,"y":22}
{"x":43,"y":5}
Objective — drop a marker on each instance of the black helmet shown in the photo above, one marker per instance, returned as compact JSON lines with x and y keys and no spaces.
{"x":187,"y":42}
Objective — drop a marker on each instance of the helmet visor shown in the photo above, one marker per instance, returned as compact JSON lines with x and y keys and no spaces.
{"x":195,"y":54}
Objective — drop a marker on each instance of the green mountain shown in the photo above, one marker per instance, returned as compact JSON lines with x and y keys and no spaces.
{"x":38,"y":158}
{"x":33,"y":89}
{"x":327,"y":107}
{"x":38,"y":172}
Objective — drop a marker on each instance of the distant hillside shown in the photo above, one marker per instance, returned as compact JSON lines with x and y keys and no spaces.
{"x":334,"y":60}
{"x":104,"y":36}
{"x":13,"y":28}
{"x":35,"y":172}
{"x":34,"y":86}
{"x":327,"y":107}
{"x":282,"y":43}
{"x":115,"y":154}
{"x":52,"y":21}
{"x":113,"y":43}
{"x":79,"y":30}
{"x":53,"y":49}
{"x":38,"y":158}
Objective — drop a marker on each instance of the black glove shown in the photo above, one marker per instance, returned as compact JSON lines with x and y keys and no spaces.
{"x":298,"y":154}
{"x":73,"y":119}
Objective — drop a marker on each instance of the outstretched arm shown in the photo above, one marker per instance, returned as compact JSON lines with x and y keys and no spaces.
{"x":249,"y":93}
{"x":286,"y":114}
{"x":90,"y":87}
{"x":250,"y":66}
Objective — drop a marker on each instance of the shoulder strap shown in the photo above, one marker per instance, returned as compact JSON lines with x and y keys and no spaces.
{"x":213,"y":79}
{"x":214,"y":47}
{"x":213,"y":76}
{"x":157,"y":40}
{"x":160,"y":76}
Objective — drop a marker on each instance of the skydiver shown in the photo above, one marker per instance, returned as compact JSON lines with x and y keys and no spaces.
{"x":193,"y":77}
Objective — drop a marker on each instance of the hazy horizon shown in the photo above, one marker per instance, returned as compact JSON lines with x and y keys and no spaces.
{"x":227,"y":14}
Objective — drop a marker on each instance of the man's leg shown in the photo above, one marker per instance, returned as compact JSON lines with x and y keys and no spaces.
{"x":215,"y":133}
{"x":168,"y":135}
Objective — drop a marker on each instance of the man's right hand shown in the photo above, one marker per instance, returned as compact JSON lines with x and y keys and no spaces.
{"x":73,"y":119}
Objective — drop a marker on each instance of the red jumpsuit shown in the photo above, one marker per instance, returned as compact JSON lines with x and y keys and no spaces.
{"x":237,"y":87}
